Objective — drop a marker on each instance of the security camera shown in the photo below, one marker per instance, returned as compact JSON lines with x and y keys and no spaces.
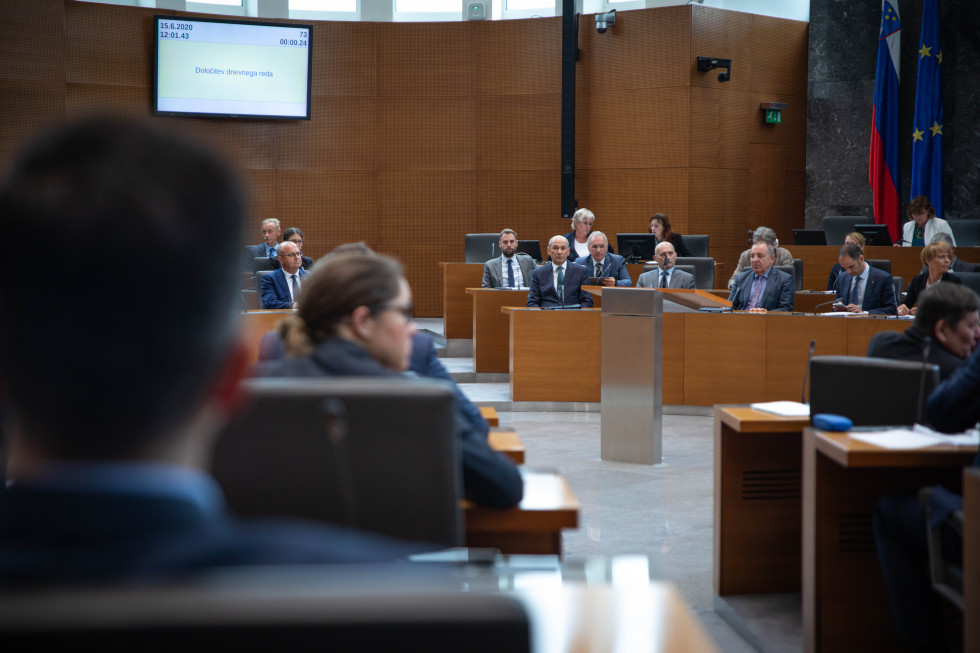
{"x":710,"y":63}
{"x":605,"y":21}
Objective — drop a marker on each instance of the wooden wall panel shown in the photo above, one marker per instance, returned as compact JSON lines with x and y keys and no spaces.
{"x":766,"y":197}
{"x":421,"y":59}
{"x":345,"y":58}
{"x":717,"y":205}
{"x":423,"y":274}
{"x":27,"y":108}
{"x":107,"y":44}
{"x":35,"y":27}
{"x":426,"y":207}
{"x":789,"y":133}
{"x":725,"y":35}
{"x":89,"y":100}
{"x":779,"y":55}
{"x":518,"y":132}
{"x":525,"y":201}
{"x":427,"y":133}
{"x":624,"y":200}
{"x":645,"y":49}
{"x":331,"y":207}
{"x":644,"y":128}
{"x":246,"y":144}
{"x":259,"y":187}
{"x":719,"y":128}
{"x":342,"y":135}
{"x":515,"y":57}
{"x":794,"y":204}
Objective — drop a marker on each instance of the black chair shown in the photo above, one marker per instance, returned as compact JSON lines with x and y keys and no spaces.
{"x":530,"y":247}
{"x":480,"y":248}
{"x":971,"y":280}
{"x":946,"y":574}
{"x":899,"y":284}
{"x":376,"y":454}
{"x":261,"y":263}
{"x":316,"y":609}
{"x":809,"y":237}
{"x":870,"y":391}
{"x":966,"y":233}
{"x":798,"y":266}
{"x":258,"y":285}
{"x":704,"y":270}
{"x":250,"y":300}
{"x":698,"y":244}
{"x":791,"y":271}
{"x":836,"y":227}
{"x":883,"y":264}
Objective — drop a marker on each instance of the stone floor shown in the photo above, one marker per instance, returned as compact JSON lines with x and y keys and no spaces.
{"x":663,"y":512}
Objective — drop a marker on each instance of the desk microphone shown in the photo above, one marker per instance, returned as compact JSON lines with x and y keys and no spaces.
{"x":335,"y":422}
{"x":806,"y":372}
{"x":820,"y":306}
{"x":241,"y":294}
{"x":926,"y":346}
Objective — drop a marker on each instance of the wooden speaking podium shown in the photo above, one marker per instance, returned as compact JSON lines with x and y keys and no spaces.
{"x":632,"y":344}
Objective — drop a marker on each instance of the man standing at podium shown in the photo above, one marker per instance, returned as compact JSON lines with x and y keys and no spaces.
{"x":601,"y":264}
{"x":512,"y":269}
{"x":667,"y":276}
{"x":763,"y":288}
{"x":558,"y":283}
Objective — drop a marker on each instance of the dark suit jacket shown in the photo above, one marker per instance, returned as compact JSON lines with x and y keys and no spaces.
{"x":57,"y":535}
{"x":918,"y":284}
{"x":778,"y":294}
{"x":572,"y":254}
{"x":542,"y":292}
{"x":677,"y":241}
{"x":489,"y":478}
{"x":908,"y":346}
{"x":275,"y":289}
{"x":425,"y":363}
{"x":879,"y":296}
{"x":612,"y":266}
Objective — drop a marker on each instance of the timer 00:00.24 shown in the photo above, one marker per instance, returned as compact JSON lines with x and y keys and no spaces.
{"x":292,"y":42}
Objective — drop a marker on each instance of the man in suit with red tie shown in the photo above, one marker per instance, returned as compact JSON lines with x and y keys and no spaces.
{"x":280,"y":289}
{"x":559,"y":283}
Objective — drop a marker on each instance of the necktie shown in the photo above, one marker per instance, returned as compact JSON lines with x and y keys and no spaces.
{"x":756,"y":292}
{"x":598,"y":269}
{"x":561,"y":285}
{"x":855,"y":291}
{"x":663,"y":279}
{"x":272,"y":252}
{"x":510,"y":272}
{"x":295,"y":283}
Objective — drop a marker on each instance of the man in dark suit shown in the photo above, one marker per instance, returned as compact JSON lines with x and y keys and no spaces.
{"x":280,"y":289}
{"x":110,"y":428}
{"x":863,"y":288}
{"x":512,"y":269}
{"x":601,"y":264}
{"x":558,"y":283}
{"x":947,"y":313}
{"x":268,"y":248}
{"x":762,"y":288}
{"x":667,"y":276}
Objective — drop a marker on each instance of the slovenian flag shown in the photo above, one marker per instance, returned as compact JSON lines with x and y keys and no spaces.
{"x":927,"y":130}
{"x":883,"y":166}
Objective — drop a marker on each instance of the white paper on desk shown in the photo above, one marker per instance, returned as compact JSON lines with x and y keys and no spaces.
{"x":842,"y":314}
{"x":969,"y":438}
{"x":783,"y":408}
{"x":897,"y":439}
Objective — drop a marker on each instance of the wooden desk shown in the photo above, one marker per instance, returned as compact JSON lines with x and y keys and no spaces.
{"x":256,"y":324}
{"x":457,"y":306}
{"x":906,"y":261}
{"x":757,"y":506}
{"x":845,"y":602}
{"x":491,"y":328}
{"x":489,"y":413}
{"x":507,"y":443}
{"x":534,"y":526}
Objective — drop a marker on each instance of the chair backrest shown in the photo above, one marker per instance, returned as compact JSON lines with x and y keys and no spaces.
{"x":263,"y":263}
{"x":798,"y":266}
{"x":377,"y":454}
{"x":971,"y":280}
{"x":258,"y":285}
{"x":250,"y":300}
{"x":836,"y":227}
{"x":303,"y":615}
{"x":883,"y":264}
{"x":966,"y":232}
{"x":809,"y":237}
{"x":698,"y":244}
{"x":530,"y":247}
{"x":791,"y":271}
{"x":480,"y":248}
{"x":899,"y":285}
{"x":870,"y":391}
{"x":704,"y":270}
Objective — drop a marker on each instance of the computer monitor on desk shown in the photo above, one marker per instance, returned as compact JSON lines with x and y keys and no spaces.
{"x":877,"y":234}
{"x":530,"y":247}
{"x":636,"y":247}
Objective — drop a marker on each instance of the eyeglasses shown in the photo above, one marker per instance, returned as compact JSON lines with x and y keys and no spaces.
{"x":404,"y":309}
{"x":295,"y":255}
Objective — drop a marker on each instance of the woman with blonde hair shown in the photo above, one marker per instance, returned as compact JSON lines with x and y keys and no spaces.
{"x":578,"y":237}
{"x":937,"y":258}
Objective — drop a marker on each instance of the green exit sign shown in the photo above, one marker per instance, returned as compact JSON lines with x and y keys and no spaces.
{"x":773,"y":116}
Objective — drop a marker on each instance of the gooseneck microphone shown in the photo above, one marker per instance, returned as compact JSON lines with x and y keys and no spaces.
{"x":926,"y":346}
{"x":806,"y":372}
{"x":822,"y":305}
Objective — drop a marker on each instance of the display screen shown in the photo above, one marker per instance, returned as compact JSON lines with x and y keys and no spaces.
{"x":208,"y":67}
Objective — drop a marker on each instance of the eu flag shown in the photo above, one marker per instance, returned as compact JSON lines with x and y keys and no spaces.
{"x":927,"y":132}
{"x":883,"y":162}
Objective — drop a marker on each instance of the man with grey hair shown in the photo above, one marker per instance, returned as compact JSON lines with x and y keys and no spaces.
{"x":667,"y":276}
{"x":957,"y":265}
{"x":558,"y":284}
{"x":512,"y":269}
{"x":268,"y":248}
{"x":762,"y":235}
{"x":762,"y":288}
{"x":608,"y":268}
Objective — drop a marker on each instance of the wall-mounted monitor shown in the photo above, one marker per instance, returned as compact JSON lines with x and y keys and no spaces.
{"x":229,"y":68}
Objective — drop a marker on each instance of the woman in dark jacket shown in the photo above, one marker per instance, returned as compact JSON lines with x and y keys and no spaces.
{"x":937,"y":258}
{"x":660,"y":227}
